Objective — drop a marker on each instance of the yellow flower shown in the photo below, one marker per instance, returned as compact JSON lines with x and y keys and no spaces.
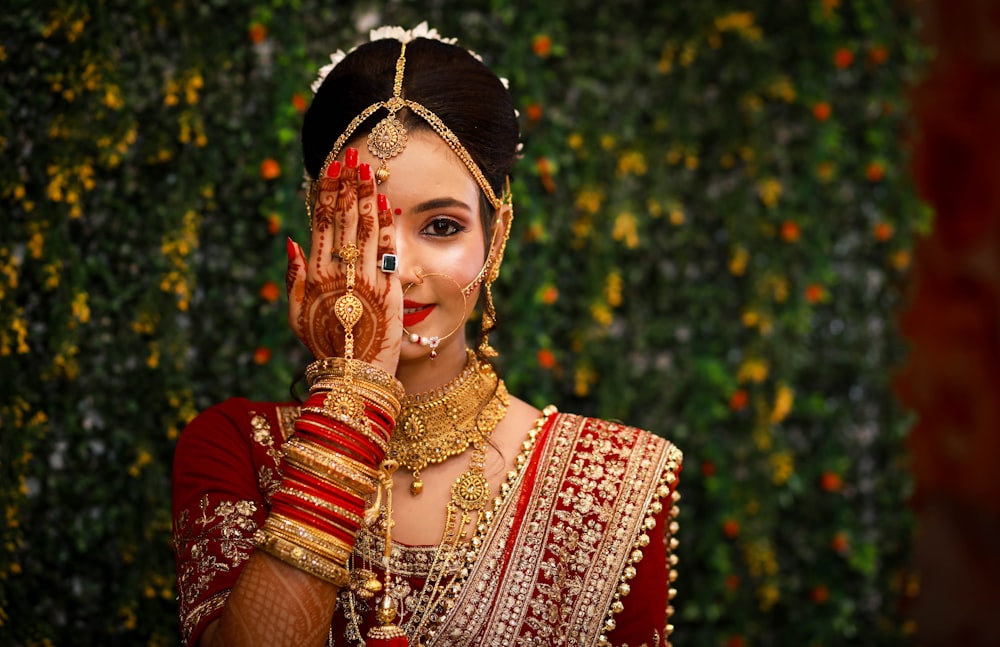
{"x":781,"y":464}
{"x":626,"y":230}
{"x":575,"y":141}
{"x":666,"y":63}
{"x":676,"y":216}
{"x":654,"y":208}
{"x":752,"y":103}
{"x":589,"y":200}
{"x":632,"y":162}
{"x":760,"y":558}
{"x":601,"y":314}
{"x":613,"y":289}
{"x":52,"y":274}
{"x":607,"y":142}
{"x":768,"y":596}
{"x":782,"y":88}
{"x":750,"y":318}
{"x":752,"y":370}
{"x":81,"y":311}
{"x":769,"y":191}
{"x":582,"y":380}
{"x":783,"y":400}
{"x":779,"y":288}
{"x":738,"y":261}
{"x":688,"y":53}
{"x":153,"y":359}
{"x":113,"y":97}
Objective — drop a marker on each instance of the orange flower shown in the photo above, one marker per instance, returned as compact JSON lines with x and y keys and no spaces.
{"x":541,"y":45}
{"x":270,"y":169}
{"x":732,"y":582}
{"x":875,"y":172}
{"x":840,"y":543}
{"x":545,"y":174}
{"x":821,"y":111}
{"x":878,"y":55}
{"x":269,"y":292}
{"x":736,"y":641}
{"x":738,"y":400}
{"x":815,"y":293}
{"x":273,"y":224}
{"x":883,"y":231}
{"x":534,"y":112}
{"x":257,"y":33}
{"x":830,"y":482}
{"x":708,"y":469}
{"x":262,"y":355}
{"x":820,"y":594}
{"x":731,"y":528}
{"x":299,"y":102}
{"x":550,"y":294}
{"x":843,"y":57}
{"x":546,"y":359}
{"x":790,"y":231}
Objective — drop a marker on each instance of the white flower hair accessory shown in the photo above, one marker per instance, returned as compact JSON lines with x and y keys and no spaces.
{"x":393,"y":32}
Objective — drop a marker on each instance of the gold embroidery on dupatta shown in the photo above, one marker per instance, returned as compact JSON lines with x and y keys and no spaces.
{"x":548,"y":583}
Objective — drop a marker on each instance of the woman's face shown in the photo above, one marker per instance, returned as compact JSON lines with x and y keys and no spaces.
{"x":439,"y":236}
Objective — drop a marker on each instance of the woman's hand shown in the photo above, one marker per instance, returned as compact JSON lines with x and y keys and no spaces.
{"x":347,"y":210}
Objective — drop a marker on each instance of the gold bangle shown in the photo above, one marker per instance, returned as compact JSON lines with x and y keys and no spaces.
{"x":302,"y":559}
{"x":329,"y":458}
{"x":318,"y":541}
{"x":374,"y":394}
{"x":321,"y":547}
{"x":358,"y":370}
{"x":358,"y":488}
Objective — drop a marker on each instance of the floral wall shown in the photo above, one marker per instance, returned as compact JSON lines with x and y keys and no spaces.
{"x":714,"y":219}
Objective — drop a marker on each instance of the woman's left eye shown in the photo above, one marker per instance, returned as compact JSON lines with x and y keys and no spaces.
{"x":443,"y":227}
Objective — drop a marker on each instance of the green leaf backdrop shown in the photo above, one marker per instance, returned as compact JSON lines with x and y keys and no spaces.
{"x":713,"y":219}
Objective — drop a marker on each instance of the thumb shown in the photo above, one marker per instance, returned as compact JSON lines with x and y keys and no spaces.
{"x":295,"y":283}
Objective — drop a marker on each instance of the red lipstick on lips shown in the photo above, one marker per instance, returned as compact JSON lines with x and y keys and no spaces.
{"x":414,"y":312}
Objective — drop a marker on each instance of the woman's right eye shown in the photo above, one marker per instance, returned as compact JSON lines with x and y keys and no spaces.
{"x":443,"y":227}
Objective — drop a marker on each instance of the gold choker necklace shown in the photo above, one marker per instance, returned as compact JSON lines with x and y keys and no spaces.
{"x":444,"y":422}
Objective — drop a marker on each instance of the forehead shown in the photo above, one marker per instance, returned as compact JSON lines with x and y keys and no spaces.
{"x":426,"y":168}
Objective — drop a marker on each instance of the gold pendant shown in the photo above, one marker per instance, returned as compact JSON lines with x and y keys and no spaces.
{"x":348,"y":309}
{"x":471,"y":491}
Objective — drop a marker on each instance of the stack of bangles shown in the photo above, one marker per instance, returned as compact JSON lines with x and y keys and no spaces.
{"x":331,"y":467}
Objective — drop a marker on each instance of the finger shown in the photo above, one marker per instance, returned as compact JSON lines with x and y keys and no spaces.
{"x":347,"y":201}
{"x":386,"y":228}
{"x":324,"y":221}
{"x":295,"y":284}
{"x":368,"y":228}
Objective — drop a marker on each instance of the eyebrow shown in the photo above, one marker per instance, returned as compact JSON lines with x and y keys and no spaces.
{"x":440,"y":203}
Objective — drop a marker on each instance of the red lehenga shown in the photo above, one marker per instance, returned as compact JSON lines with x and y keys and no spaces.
{"x":581,"y":547}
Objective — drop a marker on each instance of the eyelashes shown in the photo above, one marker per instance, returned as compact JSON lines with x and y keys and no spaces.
{"x":442,"y":227}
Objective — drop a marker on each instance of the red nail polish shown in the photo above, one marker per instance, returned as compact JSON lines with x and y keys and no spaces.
{"x":383,"y":202}
{"x":291,"y":249}
{"x":334,"y":169}
{"x":351,"y":157}
{"x":365,"y":172}
{"x":398,"y":211}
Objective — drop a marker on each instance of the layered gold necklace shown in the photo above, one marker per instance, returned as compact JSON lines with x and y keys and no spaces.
{"x":444,"y":422}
